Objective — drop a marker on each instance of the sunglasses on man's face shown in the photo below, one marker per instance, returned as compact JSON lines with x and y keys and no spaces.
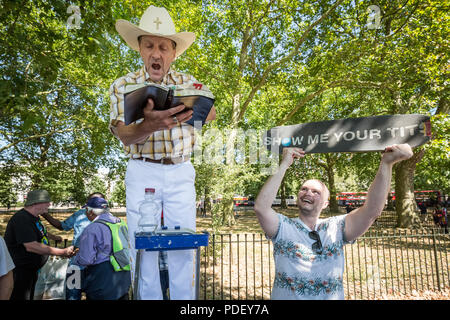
{"x":316,"y":246}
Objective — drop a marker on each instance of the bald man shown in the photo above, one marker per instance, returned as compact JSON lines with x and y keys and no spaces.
{"x":309,"y":251}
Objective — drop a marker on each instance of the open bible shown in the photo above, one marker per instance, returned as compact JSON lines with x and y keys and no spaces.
{"x":136,"y":95}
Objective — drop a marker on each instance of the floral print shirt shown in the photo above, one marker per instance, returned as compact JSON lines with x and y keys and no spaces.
{"x":300,"y":273}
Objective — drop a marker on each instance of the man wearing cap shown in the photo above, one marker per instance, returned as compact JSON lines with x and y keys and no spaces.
{"x":27,"y":242}
{"x":104,"y":252}
{"x":78,"y":221}
{"x":159,"y":146}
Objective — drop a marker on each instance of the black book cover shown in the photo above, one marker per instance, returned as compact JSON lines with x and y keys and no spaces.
{"x":136,"y":95}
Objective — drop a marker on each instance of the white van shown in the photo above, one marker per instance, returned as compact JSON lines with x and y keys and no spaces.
{"x":290,"y":201}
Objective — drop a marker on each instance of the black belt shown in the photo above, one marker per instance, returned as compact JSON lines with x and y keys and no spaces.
{"x":164,"y":160}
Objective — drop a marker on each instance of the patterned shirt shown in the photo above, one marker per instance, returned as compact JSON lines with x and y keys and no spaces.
{"x":176,"y":142}
{"x":300,"y":273}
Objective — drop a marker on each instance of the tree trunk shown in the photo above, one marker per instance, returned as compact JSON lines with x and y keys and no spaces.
{"x":226,"y":206}
{"x":333,"y":204}
{"x":282,"y":189}
{"x":283,"y":194}
{"x":207,"y":201}
{"x":227,"y":212}
{"x":405,"y":204}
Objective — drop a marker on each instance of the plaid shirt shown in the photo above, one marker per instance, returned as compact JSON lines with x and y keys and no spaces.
{"x":176,"y":142}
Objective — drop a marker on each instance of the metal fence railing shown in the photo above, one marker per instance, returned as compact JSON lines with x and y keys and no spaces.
{"x":240,"y":266}
{"x":382,"y":262}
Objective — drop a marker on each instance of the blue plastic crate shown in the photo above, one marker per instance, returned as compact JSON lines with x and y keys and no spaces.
{"x":171,"y":242}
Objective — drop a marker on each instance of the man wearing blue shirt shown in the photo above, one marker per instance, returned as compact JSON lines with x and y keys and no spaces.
{"x":78,"y":221}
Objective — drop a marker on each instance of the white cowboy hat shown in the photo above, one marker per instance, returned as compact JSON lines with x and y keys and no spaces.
{"x":154,"y":22}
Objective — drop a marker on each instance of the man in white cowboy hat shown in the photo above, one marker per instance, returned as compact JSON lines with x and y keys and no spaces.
{"x":159,"y":146}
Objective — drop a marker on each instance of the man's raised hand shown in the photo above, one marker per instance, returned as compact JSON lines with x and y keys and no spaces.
{"x":289,"y":154}
{"x":397,"y":153}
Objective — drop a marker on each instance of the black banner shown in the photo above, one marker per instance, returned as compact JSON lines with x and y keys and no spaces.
{"x":351,"y":135}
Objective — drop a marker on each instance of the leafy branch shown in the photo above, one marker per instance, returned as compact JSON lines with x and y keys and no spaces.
{"x":38,"y":136}
{"x":285,"y":59}
{"x":331,"y":85}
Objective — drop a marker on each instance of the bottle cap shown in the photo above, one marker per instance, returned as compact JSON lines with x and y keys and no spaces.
{"x":152,"y":190}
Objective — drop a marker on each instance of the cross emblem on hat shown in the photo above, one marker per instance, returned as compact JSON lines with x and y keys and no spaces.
{"x":158,"y":22}
{"x":155,"y":21}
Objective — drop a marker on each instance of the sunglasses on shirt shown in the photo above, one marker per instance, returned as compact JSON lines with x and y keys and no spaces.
{"x":316,"y":246}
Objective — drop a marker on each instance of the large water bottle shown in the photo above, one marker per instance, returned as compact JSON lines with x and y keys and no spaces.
{"x":150,"y":212}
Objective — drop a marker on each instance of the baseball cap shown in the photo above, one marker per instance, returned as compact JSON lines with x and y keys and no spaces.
{"x":96,"y":203}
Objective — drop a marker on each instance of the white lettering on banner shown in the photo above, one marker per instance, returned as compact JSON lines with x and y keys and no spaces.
{"x":358,"y":136}
{"x":313,"y":140}
{"x":411,"y":129}
{"x":402,"y":131}
{"x":296,"y":141}
{"x":238,"y":146}
{"x":276,"y":140}
{"x":349,"y":135}
{"x":338,"y":135}
{"x":374,"y":132}
{"x":392,"y":131}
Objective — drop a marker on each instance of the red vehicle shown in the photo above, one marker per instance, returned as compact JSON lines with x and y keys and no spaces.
{"x":430,"y":197}
{"x":240,"y":201}
{"x":351,"y":198}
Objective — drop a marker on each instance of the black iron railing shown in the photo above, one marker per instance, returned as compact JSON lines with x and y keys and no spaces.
{"x":240,"y":266}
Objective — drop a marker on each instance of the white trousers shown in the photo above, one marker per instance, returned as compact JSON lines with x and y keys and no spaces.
{"x":175,"y":189}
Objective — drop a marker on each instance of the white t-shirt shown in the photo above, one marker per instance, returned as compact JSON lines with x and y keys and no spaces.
{"x":6,"y":263}
{"x":300,"y":273}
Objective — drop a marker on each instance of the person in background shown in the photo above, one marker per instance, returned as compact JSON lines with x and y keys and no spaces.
{"x":437,"y":214}
{"x":78,"y":221}
{"x":444,"y":220}
{"x":440,"y":216}
{"x":423,"y":210}
{"x":27,"y":242}
{"x":349,"y":207}
{"x":6,"y":271}
{"x":104,"y":252}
